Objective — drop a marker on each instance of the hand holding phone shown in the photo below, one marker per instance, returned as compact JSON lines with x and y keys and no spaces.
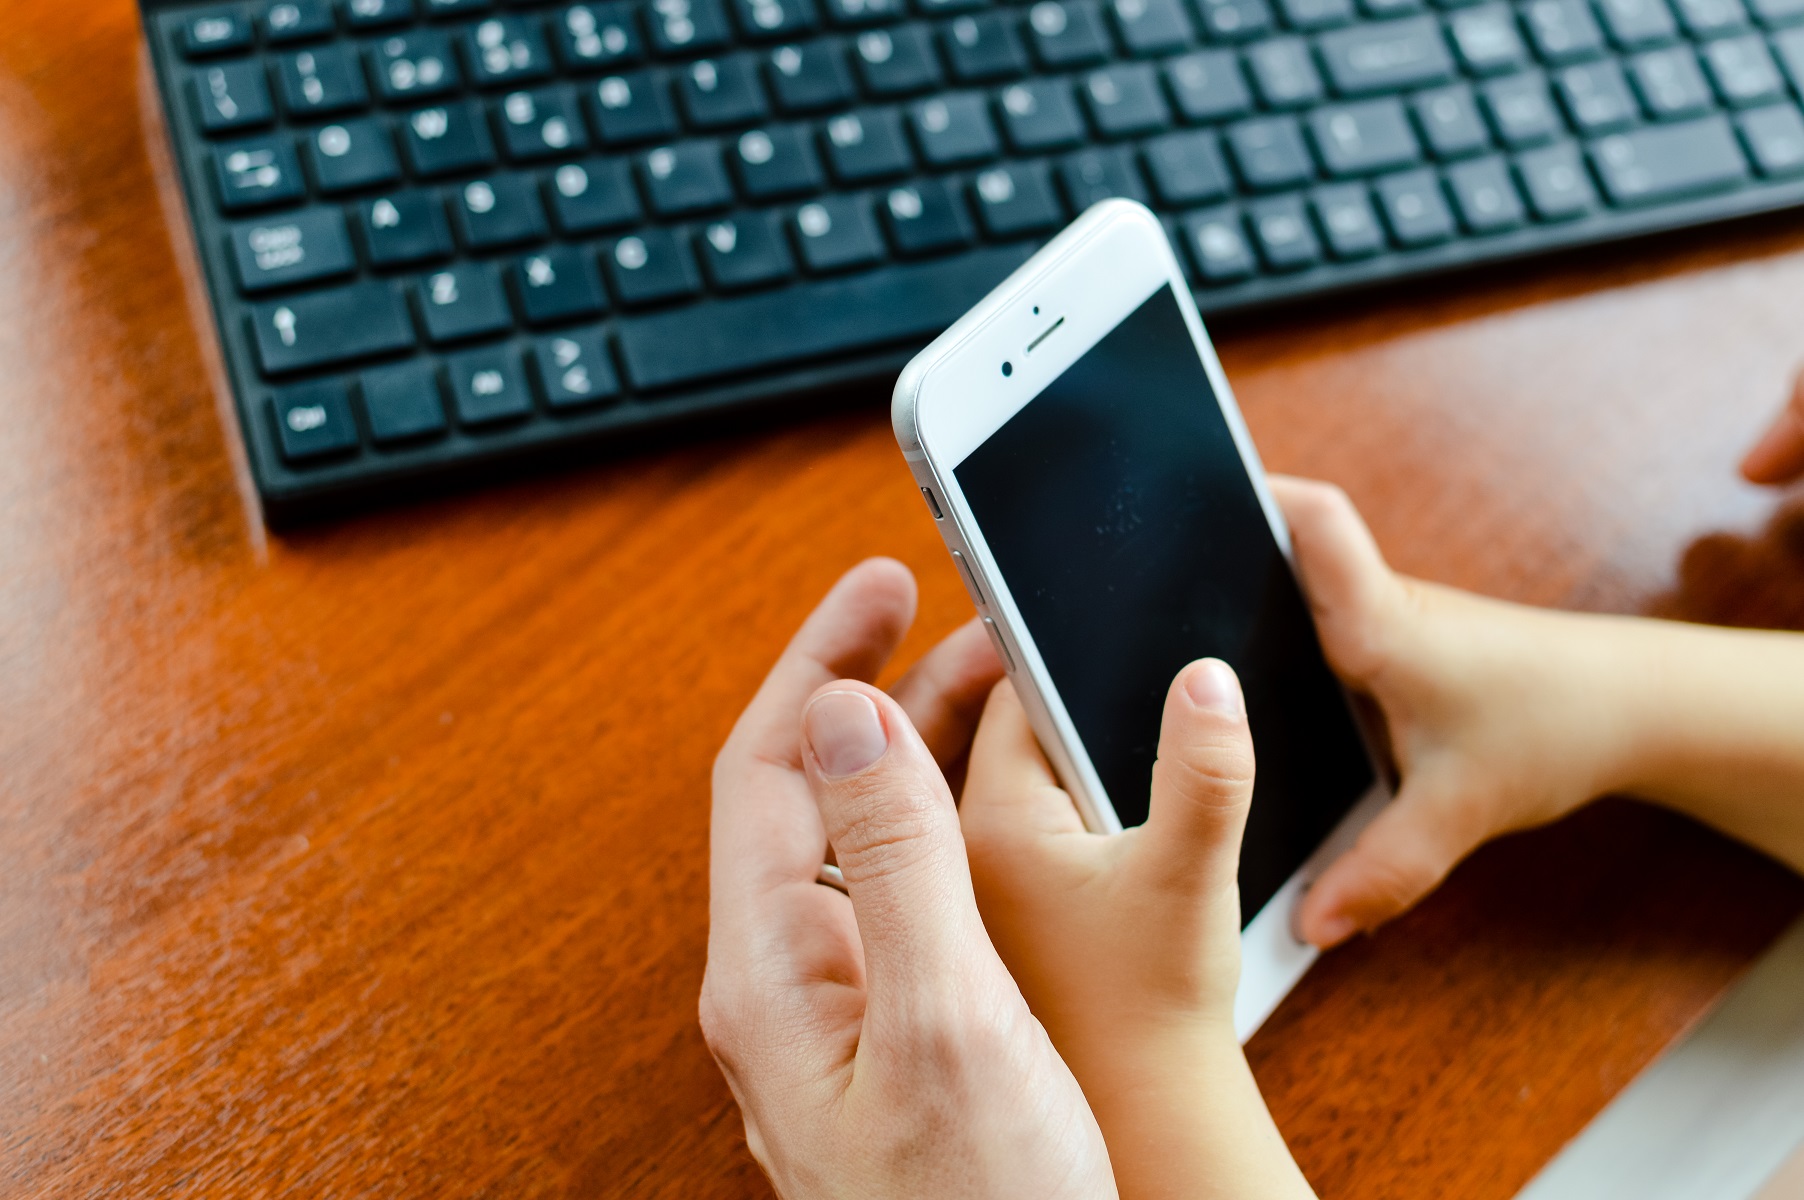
{"x":1127,"y":946}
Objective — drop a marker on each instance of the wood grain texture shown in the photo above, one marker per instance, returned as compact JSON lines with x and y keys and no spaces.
{"x":370,"y":860}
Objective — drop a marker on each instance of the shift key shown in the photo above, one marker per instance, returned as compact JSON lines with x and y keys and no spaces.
{"x":322,"y":328}
{"x":1666,"y":162}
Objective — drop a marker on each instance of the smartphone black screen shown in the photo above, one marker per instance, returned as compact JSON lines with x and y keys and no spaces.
{"x":1125,"y":526}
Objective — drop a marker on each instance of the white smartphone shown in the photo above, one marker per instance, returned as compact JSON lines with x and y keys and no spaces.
{"x":1084,"y":459}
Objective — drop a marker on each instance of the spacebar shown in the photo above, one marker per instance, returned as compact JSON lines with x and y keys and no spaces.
{"x":821,"y":319}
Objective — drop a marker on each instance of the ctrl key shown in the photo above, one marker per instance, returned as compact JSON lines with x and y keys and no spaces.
{"x":313,"y":421}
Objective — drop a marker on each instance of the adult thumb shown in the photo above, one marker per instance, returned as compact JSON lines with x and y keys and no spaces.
{"x":890,"y":819}
{"x":1202,"y":781}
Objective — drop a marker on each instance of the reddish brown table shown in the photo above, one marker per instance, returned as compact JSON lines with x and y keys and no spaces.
{"x":370,"y":859}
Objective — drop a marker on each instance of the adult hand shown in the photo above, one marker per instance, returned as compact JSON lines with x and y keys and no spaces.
{"x":875,"y":1042}
{"x":1778,"y":457}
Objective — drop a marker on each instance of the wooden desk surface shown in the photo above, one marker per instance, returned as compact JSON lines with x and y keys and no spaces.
{"x":371,"y":860}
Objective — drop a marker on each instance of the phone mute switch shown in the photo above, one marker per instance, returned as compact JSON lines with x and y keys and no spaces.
{"x":970,"y":577}
{"x":1008,"y":660}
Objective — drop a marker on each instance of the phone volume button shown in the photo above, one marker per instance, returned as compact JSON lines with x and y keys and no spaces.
{"x":1008,"y":660}
{"x":970,"y":578}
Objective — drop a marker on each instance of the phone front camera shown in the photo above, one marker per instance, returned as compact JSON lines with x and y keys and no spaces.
{"x":1008,"y":369}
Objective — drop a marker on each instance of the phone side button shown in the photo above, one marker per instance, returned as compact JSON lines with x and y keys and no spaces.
{"x":1008,"y":660}
{"x":970,"y":578}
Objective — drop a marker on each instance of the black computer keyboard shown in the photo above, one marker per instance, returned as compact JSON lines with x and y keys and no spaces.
{"x":444,"y":234}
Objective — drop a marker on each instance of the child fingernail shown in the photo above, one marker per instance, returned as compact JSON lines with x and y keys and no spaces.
{"x":1337,"y":929}
{"x":845,"y":732}
{"x":1213,"y":686}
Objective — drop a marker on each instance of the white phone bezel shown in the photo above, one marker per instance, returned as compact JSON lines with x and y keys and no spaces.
{"x":954,"y":395}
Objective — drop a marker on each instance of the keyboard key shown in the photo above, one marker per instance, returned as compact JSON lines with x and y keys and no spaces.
{"x":1363,"y":138}
{"x":257,"y":173}
{"x":303,"y":247}
{"x":771,"y":20}
{"x":1186,"y":168}
{"x":1282,"y":232}
{"x":1414,"y":208}
{"x":1344,"y":211}
{"x":895,"y":62}
{"x":688,"y":26}
{"x":1562,"y":30}
{"x":556,"y":285}
{"x":1556,"y":182}
{"x":1596,"y":97}
{"x":1208,"y":86}
{"x":1486,"y":39}
{"x":926,"y":218}
{"x":836,"y":234}
{"x":321,"y":81}
{"x":592,"y":196}
{"x":1664,"y":162}
{"x":1670,"y":83}
{"x":1311,"y":15}
{"x":867,"y":145}
{"x":1016,"y":199}
{"x":686,"y":178}
{"x":1235,"y":20}
{"x":985,"y":47}
{"x":403,"y":403}
{"x":1218,"y":246}
{"x":631,"y":108}
{"x":1389,"y":8}
{"x":907,"y":303}
{"x":416,"y":65}
{"x":352,"y":154}
{"x":809,"y":78}
{"x":1067,"y":33}
{"x":463,"y":301}
{"x":1149,"y":28}
{"x":574,"y":370}
{"x":297,"y":21}
{"x":1124,"y":101}
{"x":1775,"y":139}
{"x":1635,"y":24}
{"x":1386,"y":57}
{"x":1711,"y":18}
{"x":1041,"y":115}
{"x":502,"y":211}
{"x":776,"y":163}
{"x":1743,"y":71}
{"x":852,"y":13}
{"x":1790,"y":47}
{"x":1284,"y":73}
{"x":487,"y":388}
{"x":376,"y":14}
{"x":1772,"y":13}
{"x":232,"y":96}
{"x":744,"y":252}
{"x":1092,"y":175}
{"x":504,"y":51}
{"x":216,"y":31}
{"x":404,"y":229}
{"x":596,"y":37}
{"x":1520,"y":109}
{"x":447,"y":139}
{"x":319,"y":329}
{"x":1268,"y":152}
{"x":540,"y":124}
{"x":650,"y":267}
{"x":1485,"y":196}
{"x":1449,"y":121}
{"x":721,"y":93}
{"x":313,"y":421}
{"x":456,"y":8}
{"x":954,"y":129}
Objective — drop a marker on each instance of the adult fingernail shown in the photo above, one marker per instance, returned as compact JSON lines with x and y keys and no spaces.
{"x":845,"y":732}
{"x":1212,"y":686}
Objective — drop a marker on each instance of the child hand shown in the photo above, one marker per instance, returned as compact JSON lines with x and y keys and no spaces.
{"x":1497,"y":713}
{"x":1127,"y":947}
